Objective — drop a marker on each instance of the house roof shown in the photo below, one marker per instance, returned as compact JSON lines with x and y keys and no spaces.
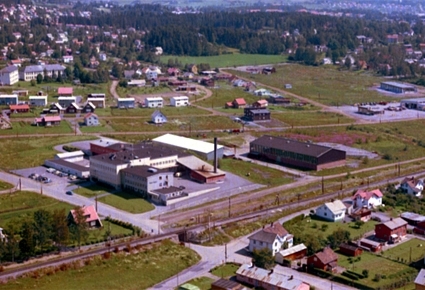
{"x":420,"y":279}
{"x":72,"y":165}
{"x":187,"y":143}
{"x":157,"y":113}
{"x":89,"y":212}
{"x":48,"y":119}
{"x":65,"y":91}
{"x":91,"y":105}
{"x":40,"y":68}
{"x":9,"y":69}
{"x":394,"y":223}
{"x":412,"y":183}
{"x":268,"y":234}
{"x":57,"y":105}
{"x":292,"y":145}
{"x":240,"y":101}
{"x":19,"y":107}
{"x":262,"y":102}
{"x":74,"y":105}
{"x":412,"y":216}
{"x":226,"y":284}
{"x":348,"y":247}
{"x":91,"y":115}
{"x":259,"y":111}
{"x":198,"y":165}
{"x":368,"y":194}
{"x":292,"y":250}
{"x":336,"y":206}
{"x":327,"y":256}
{"x":276,"y":228}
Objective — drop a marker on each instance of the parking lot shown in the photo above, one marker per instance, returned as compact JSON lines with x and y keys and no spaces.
{"x":42,"y":171}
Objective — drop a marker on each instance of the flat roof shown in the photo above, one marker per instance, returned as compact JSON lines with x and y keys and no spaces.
{"x":69,"y":164}
{"x":399,"y":85}
{"x":413,"y":100}
{"x":9,"y":96}
{"x":125,"y":99}
{"x":154,"y":99}
{"x":180,"y":98}
{"x":292,"y":250}
{"x":70,"y":154}
{"x":187,"y":143}
{"x":38,"y":97}
{"x":67,"y":98}
{"x":105,"y":142}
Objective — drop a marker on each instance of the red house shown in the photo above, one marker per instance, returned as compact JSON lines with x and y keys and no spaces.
{"x":325,"y":260}
{"x":371,"y":245}
{"x":65,"y":91}
{"x":391,"y":231}
{"x":350,"y":250}
{"x":23,"y":108}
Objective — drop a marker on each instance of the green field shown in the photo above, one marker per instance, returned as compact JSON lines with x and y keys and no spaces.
{"x":308,"y":118}
{"x":103,"y":127}
{"x":20,"y":205}
{"x":226,"y":270}
{"x":4,"y":185}
{"x":92,"y":190}
{"x":39,"y":148}
{"x":140,"y":270}
{"x":127,"y":202}
{"x":167,"y":111}
{"x":228,"y":60}
{"x":26,"y":127}
{"x":123,"y":92}
{"x":255,"y":173}
{"x":204,"y":283}
{"x":409,"y":251}
{"x":324,"y":84}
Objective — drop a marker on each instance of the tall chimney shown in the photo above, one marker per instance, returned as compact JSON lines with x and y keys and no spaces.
{"x":215,"y":154}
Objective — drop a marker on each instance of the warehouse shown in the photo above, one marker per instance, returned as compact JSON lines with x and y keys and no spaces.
{"x":204,"y":149}
{"x":398,"y":88}
{"x":416,"y":104}
{"x":289,"y":152}
{"x":125,"y":103}
{"x":38,"y":101}
{"x":8,"y":99}
{"x":68,"y":167}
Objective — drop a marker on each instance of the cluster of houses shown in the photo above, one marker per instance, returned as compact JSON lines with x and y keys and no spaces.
{"x":256,"y":112}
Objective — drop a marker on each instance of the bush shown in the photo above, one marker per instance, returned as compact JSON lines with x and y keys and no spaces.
{"x":349,"y":275}
{"x":377,"y":278}
{"x":365,"y":273}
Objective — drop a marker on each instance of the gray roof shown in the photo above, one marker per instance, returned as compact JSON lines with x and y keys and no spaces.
{"x":336,"y":206}
{"x":168,"y":190}
{"x":263,"y":236}
{"x":399,"y":85}
{"x":420,"y":279}
{"x":144,"y":171}
{"x":40,"y":68}
{"x":292,"y":145}
{"x":395,"y":223}
{"x":259,"y":111}
{"x":9,"y":69}
{"x":157,"y":113}
{"x":70,"y":164}
{"x":412,"y":216}
{"x":292,"y":250}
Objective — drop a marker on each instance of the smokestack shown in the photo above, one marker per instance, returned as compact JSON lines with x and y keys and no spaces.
{"x":215,"y":154}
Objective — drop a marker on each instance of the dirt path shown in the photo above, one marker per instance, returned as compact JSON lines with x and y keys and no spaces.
{"x":113,"y":89}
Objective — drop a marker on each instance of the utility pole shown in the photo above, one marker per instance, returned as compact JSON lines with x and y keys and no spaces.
{"x":159,"y":219}
{"x":225,"y":253}
{"x":20,"y":184}
{"x":323,"y":185}
{"x":96,"y":202}
{"x":229,"y":207}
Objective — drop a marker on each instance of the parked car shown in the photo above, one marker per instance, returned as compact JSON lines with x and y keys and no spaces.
{"x":69,"y":192}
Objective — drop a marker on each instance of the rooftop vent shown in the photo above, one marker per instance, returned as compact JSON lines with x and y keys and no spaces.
{"x":153,"y":170}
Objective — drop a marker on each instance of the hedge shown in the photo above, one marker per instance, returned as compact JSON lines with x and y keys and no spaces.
{"x":349,"y":275}
{"x":360,"y":276}
{"x":136,"y":230}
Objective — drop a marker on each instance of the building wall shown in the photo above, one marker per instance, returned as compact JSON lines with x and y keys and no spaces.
{"x":66,"y":169}
{"x":324,"y":212}
{"x":9,"y":100}
{"x":9,"y":78}
{"x":106,"y":172}
{"x":38,"y":102}
{"x":384,"y":233}
{"x":419,"y":287}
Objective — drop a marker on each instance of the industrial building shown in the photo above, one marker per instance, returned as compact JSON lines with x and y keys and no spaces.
{"x":201,"y":148}
{"x":289,"y":152}
{"x":9,"y":99}
{"x":416,"y":104}
{"x":68,"y":167}
{"x":398,"y":88}
{"x":125,"y":103}
{"x":38,"y":101}
{"x":180,"y":101}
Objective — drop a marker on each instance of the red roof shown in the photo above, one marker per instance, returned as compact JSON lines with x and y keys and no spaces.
{"x":369,"y":194}
{"x":240,"y":101}
{"x":276,"y":228}
{"x":19,"y":107}
{"x":52,"y":119}
{"x":65,"y":91}
{"x":90,"y":114}
{"x":89,"y":212}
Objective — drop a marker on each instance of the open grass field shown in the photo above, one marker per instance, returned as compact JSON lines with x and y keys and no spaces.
{"x":410,"y":251}
{"x":92,"y":190}
{"x":226,"y":270}
{"x":121,"y":271}
{"x":4,"y":185}
{"x":203,"y":283}
{"x":389,"y":271}
{"x":18,"y":150}
{"x":308,"y":118}
{"x":255,"y":173}
{"x":325,"y":84}
{"x":127,"y":202}
{"x":228,"y":60}
{"x":26,"y":127}
{"x":183,"y":123}
{"x":21,"y":204}
{"x":167,"y":111}
{"x":123,"y":92}
{"x":96,"y":235}
{"x":103,"y":127}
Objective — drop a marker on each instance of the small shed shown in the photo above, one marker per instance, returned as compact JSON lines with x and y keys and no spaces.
{"x":188,"y":286}
{"x":293,"y":253}
{"x":350,"y":250}
{"x":371,"y":245}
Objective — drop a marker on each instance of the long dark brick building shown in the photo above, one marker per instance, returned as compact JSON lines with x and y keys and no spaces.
{"x":303,"y":155}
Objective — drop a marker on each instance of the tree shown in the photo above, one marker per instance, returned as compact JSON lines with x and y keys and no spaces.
{"x":39,"y":78}
{"x":60,"y":227}
{"x":359,"y":223}
{"x":263,"y":258}
{"x":12,"y":242}
{"x":42,"y":227}
{"x":338,"y":237}
{"x":27,"y":243}
{"x":78,"y":226}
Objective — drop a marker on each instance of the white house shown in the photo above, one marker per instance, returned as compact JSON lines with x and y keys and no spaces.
{"x":181,"y":101}
{"x":154,"y":102}
{"x":39,"y":101}
{"x":413,"y":186}
{"x":158,"y":117}
{"x":367,"y":199}
{"x":68,"y":58}
{"x":125,"y":103}
{"x":152,"y":72}
{"x":332,"y":211}
{"x":91,"y":119}
{"x":9,"y":75}
{"x":272,"y":237}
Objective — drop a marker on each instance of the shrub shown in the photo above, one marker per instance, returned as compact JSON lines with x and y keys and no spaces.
{"x":106,"y":255}
{"x":116,"y":250}
{"x":377,"y":278}
{"x":365,"y":273}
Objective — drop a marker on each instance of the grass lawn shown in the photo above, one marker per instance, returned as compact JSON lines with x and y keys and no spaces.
{"x":257,"y":173}
{"x":390,"y":271}
{"x":96,"y":235}
{"x":227,"y":60}
{"x":127,"y":202}
{"x":167,"y":111}
{"x":20,"y":205}
{"x":123,"y":92}
{"x":122,"y":271}
{"x":39,"y":148}
{"x":26,"y":127}
{"x":103,"y":127}
{"x":92,"y":190}
{"x":226,"y":270}
{"x":4,"y":185}
{"x":408,"y":251}
{"x":307,"y":118}
{"x":325,"y":84}
{"x":204,"y":283}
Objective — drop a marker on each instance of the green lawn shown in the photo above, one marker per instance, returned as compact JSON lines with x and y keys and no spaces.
{"x":26,"y":127}
{"x":226,"y":270}
{"x":410,"y":251}
{"x":122,"y":271}
{"x":204,"y":283}
{"x":20,"y":205}
{"x":325,"y":84}
{"x":167,"y":111}
{"x":228,"y":60}
{"x":255,"y":173}
{"x":306,"y":118}
{"x":92,"y":190}
{"x":4,"y":185}
{"x":39,"y":148}
{"x":123,"y":92}
{"x":390,"y":271}
{"x":127,"y":202}
{"x":96,"y":235}
{"x":103,"y":127}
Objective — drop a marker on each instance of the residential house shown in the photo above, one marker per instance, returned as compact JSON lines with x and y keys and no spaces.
{"x":370,"y":245}
{"x":31,"y":72}
{"x":413,"y":218}
{"x":103,"y":57}
{"x":97,"y":102}
{"x":332,"y":211}
{"x":254,"y":114}
{"x":129,"y":74}
{"x":262,"y":92}
{"x":38,"y":101}
{"x":326,"y":260}
{"x":273,"y":237}
{"x":91,"y":119}
{"x":9,"y":75}
{"x":278,"y":99}
{"x":350,"y":250}
{"x":208,"y":82}
{"x":90,"y":214}
{"x":180,"y":101}
{"x":412,"y":186}
{"x":154,"y":102}
{"x":361,"y":214}
{"x":151,"y":72}
{"x":68,"y":59}
{"x":268,"y":70}
{"x":125,"y":103}
{"x":73,"y":108}
{"x":136,"y":83}
{"x":88,"y":108}
{"x":21,"y":108}
{"x":420,"y":280}
{"x":172,"y":71}
{"x":65,"y":92}
{"x":369,"y":199}
{"x":268,"y":280}
{"x":47,"y":121}
{"x":187,"y":88}
{"x":237,"y":103}
{"x":290,"y":254}
{"x":158,"y":117}
{"x":55,"y":108}
{"x":9,"y":99}
{"x":391,"y":231}
{"x":192,"y":68}
{"x":260,"y":104}
{"x":66,"y":101}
